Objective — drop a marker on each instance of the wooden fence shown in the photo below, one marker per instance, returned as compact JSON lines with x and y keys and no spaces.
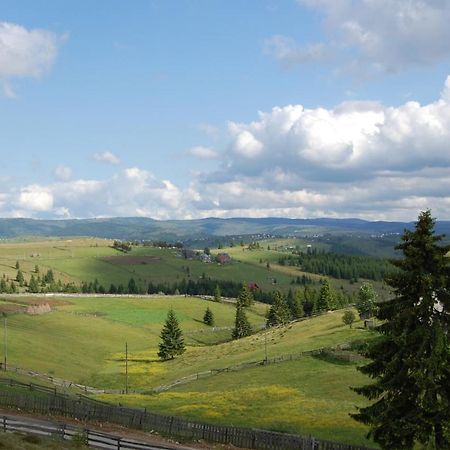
{"x":93,"y":439}
{"x":84,"y":408}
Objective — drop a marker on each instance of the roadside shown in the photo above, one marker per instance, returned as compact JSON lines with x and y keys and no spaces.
{"x":151,"y":438}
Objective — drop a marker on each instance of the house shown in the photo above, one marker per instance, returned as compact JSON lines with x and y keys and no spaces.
{"x":223,"y":258}
{"x":253,"y":286}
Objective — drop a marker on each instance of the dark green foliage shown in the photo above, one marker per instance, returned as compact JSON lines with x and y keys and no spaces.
{"x":296,"y":305}
{"x":19,"y":278}
{"x":33,"y":286}
{"x":411,"y":360}
{"x":349,"y":317}
{"x":49,"y":277}
{"x":325,"y":300}
{"x":132,"y":287}
{"x":242,"y":326}
{"x":245,"y":297}
{"x":17,"y":265}
{"x":366,"y":301}
{"x":279,"y":313}
{"x":347,"y":267}
{"x":172,"y":343}
{"x":208,"y":318}
{"x":3,"y":286}
{"x":217,"y":295}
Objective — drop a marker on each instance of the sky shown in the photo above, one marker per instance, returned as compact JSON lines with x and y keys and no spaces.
{"x":181,"y":109}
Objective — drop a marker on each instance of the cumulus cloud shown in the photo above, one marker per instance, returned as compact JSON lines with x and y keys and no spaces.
{"x":36,"y":198}
{"x":374,"y":36}
{"x":25,"y":53}
{"x":107,"y":157}
{"x":203,"y":152}
{"x":358,"y":159}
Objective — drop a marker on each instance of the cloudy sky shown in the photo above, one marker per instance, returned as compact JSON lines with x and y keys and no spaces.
{"x":199,"y":108}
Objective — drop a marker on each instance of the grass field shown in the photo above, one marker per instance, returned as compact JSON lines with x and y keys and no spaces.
{"x":15,"y":441}
{"x":308,"y":396}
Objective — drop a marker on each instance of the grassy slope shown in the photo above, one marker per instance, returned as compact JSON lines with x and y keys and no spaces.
{"x":84,"y":341}
{"x":308,"y":396}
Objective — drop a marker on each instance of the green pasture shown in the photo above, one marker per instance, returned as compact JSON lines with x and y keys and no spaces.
{"x":307,"y":396}
{"x":84,"y":341}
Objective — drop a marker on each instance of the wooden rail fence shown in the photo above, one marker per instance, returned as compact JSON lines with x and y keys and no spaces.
{"x":64,"y":431}
{"x":43,"y":400}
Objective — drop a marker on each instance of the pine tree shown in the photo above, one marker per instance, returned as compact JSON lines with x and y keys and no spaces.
{"x":17,"y":265}
{"x":245,"y":297}
{"x":279,"y":313}
{"x":296,"y":308}
{"x":19,"y":278}
{"x":217,"y":294}
{"x":411,"y":360}
{"x":366,"y":301}
{"x":208,"y":318}
{"x":324,"y":303}
{"x":172,"y":342}
{"x":242,"y":326}
{"x":33,"y":285}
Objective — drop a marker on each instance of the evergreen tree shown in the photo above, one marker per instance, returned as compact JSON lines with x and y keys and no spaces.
{"x":33,"y":286}
{"x":49,"y":277}
{"x":3,"y":286}
{"x":36,"y":269}
{"x":242,"y":326}
{"x":366,"y":301}
{"x":217,"y":294}
{"x":172,"y":342}
{"x":296,"y":307}
{"x":12,"y":288}
{"x":17,"y":265}
{"x":19,"y":278}
{"x":208,"y":318}
{"x":279,"y":313}
{"x":411,"y":359}
{"x":325,"y":300}
{"x":132,"y":287}
{"x":245,"y":297}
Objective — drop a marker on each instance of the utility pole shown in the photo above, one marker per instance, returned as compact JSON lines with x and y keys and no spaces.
{"x":5,"y":338}
{"x":126,"y":367}
{"x":265,"y":346}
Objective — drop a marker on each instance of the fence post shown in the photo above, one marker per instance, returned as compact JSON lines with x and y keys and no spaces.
{"x":4,"y":424}
{"x":118,"y":444}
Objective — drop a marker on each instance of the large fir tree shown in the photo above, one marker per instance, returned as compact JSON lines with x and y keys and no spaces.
{"x":279,"y":313}
{"x":325,"y":300}
{"x":242,"y":326}
{"x":411,"y":360}
{"x":365,"y":303}
{"x":172,"y":342}
{"x":245,"y":297}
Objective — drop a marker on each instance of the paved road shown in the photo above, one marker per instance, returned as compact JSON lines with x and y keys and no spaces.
{"x":95,"y":439}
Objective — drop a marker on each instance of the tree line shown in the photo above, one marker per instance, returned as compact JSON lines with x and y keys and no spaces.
{"x":346,"y":267}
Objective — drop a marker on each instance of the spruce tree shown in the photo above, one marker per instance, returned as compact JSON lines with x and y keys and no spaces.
{"x":245,"y":297}
{"x":279,"y":313}
{"x":296,"y":308}
{"x":242,"y":326}
{"x":172,"y":343}
{"x":217,"y":294}
{"x":208,"y":318}
{"x":19,"y":278}
{"x":33,"y":285}
{"x":324,"y":303}
{"x":411,"y":359}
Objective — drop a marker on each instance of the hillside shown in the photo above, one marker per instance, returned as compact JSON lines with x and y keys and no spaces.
{"x":200,"y":229}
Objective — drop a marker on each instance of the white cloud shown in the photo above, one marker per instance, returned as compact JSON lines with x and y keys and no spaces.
{"x":211,"y":130}
{"x":36,"y":198}
{"x":107,"y":157}
{"x":63,"y":172}
{"x":374,"y":36}
{"x":203,"y":152}
{"x":25,"y":53}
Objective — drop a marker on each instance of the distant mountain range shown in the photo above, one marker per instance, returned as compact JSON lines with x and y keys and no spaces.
{"x":172,"y":230}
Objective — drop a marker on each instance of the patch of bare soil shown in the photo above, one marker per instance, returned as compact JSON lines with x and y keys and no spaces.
{"x":129,"y":260}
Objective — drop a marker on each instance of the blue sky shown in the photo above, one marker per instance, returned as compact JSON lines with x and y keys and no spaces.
{"x":198,"y":108}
